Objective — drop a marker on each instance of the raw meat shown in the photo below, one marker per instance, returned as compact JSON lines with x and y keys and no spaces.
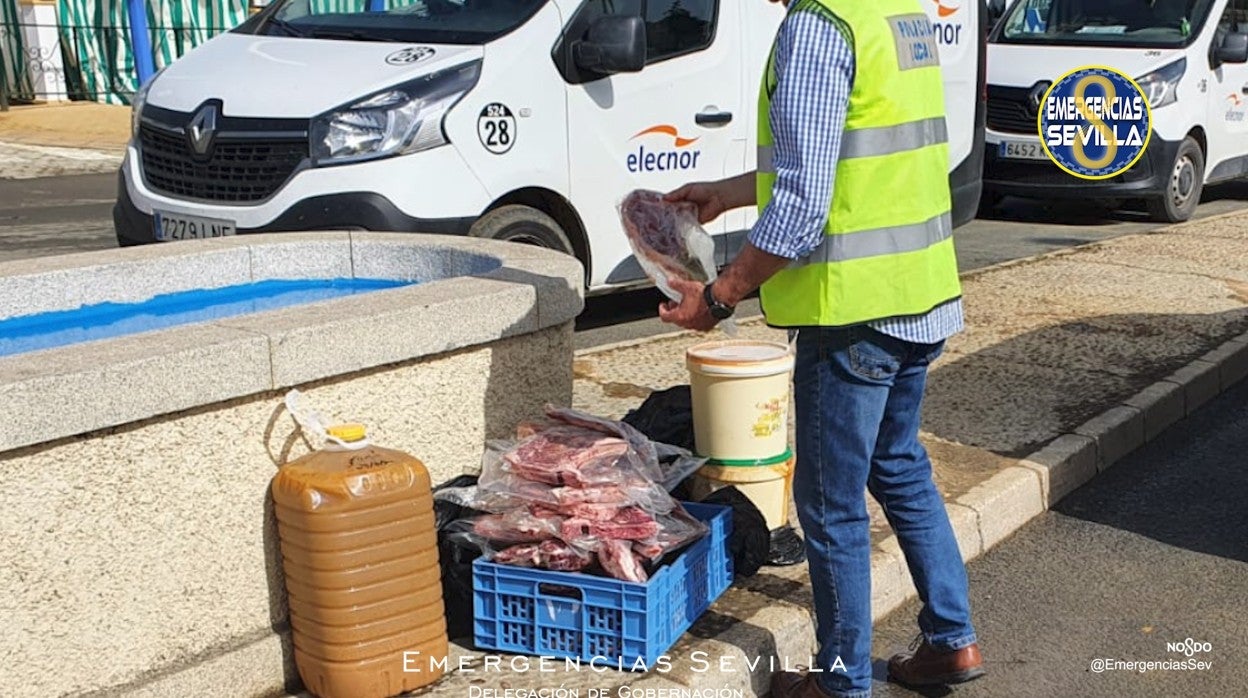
{"x":630,"y":523}
{"x":656,"y":231}
{"x":519,"y":526}
{"x":566,"y":455}
{"x":568,"y":496}
{"x":552,"y":554}
{"x":643,"y":446}
{"x":618,"y":559}
{"x":592,"y":511}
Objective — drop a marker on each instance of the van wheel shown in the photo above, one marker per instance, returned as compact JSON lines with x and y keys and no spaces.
{"x":1183,"y":188}
{"x":523,"y":224}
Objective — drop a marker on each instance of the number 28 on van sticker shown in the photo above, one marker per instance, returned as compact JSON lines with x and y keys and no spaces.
{"x":496,"y":127}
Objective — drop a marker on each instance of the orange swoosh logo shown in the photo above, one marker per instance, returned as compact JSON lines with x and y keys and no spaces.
{"x":667,"y":131}
{"x":1234,"y":98}
{"x":944,"y":11}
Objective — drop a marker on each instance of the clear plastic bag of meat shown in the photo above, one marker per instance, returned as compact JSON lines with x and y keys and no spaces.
{"x":676,"y":529}
{"x":664,"y":464}
{"x":568,"y":468}
{"x":550,"y":554}
{"x":668,"y":241}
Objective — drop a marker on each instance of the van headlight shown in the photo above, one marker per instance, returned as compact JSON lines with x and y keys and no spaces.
{"x":138,"y":100}
{"x":1161,"y":86}
{"x":398,"y":120}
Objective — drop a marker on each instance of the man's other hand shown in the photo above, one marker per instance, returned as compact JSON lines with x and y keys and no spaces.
{"x":707,"y":196}
{"x":691,"y":312}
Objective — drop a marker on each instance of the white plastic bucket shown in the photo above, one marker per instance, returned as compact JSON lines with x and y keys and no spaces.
{"x":740,"y":393}
{"x":767,"y":483}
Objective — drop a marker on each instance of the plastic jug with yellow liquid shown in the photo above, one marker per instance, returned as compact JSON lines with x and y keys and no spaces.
{"x":360,"y":555}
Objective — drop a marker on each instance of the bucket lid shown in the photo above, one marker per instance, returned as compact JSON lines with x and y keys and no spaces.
{"x":738,"y":351}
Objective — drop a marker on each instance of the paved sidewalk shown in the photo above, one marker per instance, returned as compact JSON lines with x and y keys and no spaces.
{"x":1052,"y":342}
{"x":68,"y":138}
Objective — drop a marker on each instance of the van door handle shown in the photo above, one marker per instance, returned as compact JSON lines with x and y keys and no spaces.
{"x":718,"y":117}
{"x":1244,"y":89}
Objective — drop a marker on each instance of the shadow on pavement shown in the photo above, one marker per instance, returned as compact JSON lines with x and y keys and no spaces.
{"x":1014,"y":396}
{"x":1186,"y":489}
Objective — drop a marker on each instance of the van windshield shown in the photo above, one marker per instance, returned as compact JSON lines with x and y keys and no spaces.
{"x":1117,"y":23}
{"x":406,"y":21}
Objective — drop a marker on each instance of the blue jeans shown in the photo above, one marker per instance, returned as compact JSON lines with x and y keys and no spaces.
{"x":858,"y":394}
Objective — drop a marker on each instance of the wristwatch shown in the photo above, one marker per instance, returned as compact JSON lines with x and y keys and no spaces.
{"x":719,"y":311}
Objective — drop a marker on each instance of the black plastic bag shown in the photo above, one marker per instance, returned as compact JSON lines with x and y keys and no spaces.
{"x":455,"y":556}
{"x":666,"y":416}
{"x":787,"y":547}
{"x":750,"y":540}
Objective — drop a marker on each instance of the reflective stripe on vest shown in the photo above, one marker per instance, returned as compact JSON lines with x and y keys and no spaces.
{"x":873,"y":243}
{"x":869,"y":142}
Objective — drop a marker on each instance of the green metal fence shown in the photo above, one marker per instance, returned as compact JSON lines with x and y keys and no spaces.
{"x":15,"y":81}
{"x":95,"y":47}
{"x":102,"y":54}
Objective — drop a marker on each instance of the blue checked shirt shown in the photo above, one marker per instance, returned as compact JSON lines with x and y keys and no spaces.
{"x":814,"y":73}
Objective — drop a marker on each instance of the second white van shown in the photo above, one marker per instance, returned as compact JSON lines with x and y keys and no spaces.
{"x":520,"y":120}
{"x":1189,"y":56}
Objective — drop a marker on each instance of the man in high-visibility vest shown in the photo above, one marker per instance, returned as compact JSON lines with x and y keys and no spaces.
{"x":853,"y":250}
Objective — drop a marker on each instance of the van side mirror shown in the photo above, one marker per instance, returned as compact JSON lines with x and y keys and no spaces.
{"x":1233,"y":49}
{"x":613,"y":44}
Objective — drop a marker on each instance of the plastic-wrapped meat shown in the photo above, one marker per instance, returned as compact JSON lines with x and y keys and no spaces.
{"x":675,"y":528}
{"x":645,"y":449}
{"x":618,"y":559}
{"x":592,"y":511}
{"x":551,"y":554}
{"x":518,"y":526}
{"x":609,"y":494}
{"x":566,"y":455}
{"x":630,"y":523}
{"x":656,"y":230}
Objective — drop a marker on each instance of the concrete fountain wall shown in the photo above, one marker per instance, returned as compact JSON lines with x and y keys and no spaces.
{"x":139,"y":544}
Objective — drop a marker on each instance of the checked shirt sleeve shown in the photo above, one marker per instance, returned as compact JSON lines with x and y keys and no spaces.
{"x":814,"y":74}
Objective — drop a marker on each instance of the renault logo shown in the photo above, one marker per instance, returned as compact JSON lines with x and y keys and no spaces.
{"x":1037,"y":94}
{"x":202,"y":128}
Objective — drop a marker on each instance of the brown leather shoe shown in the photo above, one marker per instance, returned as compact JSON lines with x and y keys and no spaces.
{"x":792,"y":684}
{"x":927,"y":666}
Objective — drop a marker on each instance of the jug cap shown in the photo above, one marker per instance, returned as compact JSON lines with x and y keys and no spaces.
{"x":348,"y":432}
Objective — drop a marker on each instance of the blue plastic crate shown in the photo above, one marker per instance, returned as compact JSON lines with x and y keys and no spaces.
{"x":592,"y":618}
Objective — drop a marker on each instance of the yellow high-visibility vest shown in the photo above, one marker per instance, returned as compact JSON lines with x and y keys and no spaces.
{"x":887,"y":249}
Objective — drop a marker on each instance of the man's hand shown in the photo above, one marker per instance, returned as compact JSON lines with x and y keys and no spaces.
{"x":691,"y":313}
{"x":707,"y":196}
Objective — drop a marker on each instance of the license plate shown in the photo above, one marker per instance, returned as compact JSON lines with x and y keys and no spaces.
{"x":1022,"y":150}
{"x":175,"y":226}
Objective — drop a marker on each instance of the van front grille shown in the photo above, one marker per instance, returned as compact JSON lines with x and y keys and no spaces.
{"x":237,"y":170}
{"x":1009,"y":110}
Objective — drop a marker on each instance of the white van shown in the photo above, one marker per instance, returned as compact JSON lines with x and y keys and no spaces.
{"x":522,"y":120}
{"x":1189,"y":56}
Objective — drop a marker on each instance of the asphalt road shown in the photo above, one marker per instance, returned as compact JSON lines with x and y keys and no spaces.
{"x":1153,"y":551}
{"x":58,"y":215}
